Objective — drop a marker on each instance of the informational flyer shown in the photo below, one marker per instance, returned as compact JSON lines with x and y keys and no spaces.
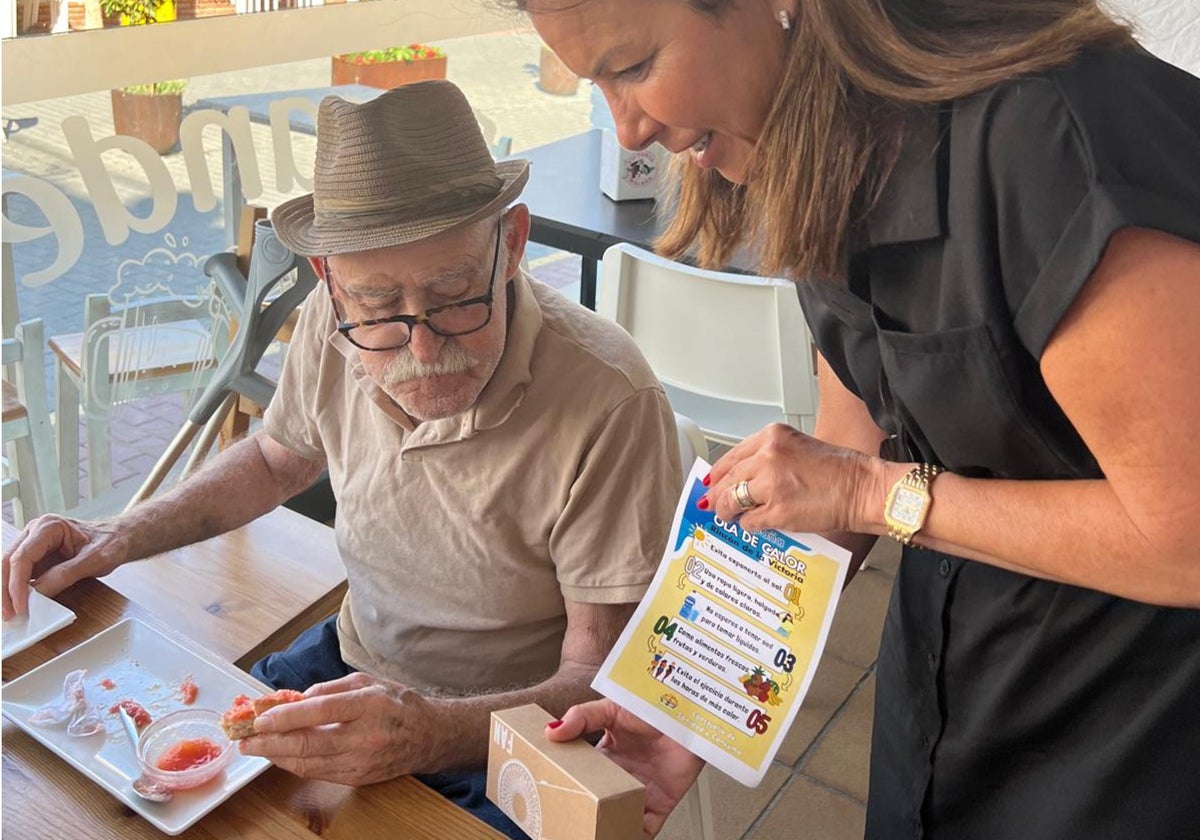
{"x":723,"y":647}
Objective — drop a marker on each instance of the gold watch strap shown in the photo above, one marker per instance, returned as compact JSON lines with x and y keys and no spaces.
{"x":920,"y":478}
{"x":922,"y":475}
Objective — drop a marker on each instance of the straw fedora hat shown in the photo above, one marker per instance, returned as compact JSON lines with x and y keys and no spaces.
{"x":409,"y":164}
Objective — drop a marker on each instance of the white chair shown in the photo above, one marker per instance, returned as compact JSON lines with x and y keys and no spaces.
{"x":692,"y":443}
{"x":146,"y":348}
{"x":33,"y":485}
{"x":732,"y":351}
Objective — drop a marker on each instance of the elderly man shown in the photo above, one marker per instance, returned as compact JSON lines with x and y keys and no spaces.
{"x":504,"y":461}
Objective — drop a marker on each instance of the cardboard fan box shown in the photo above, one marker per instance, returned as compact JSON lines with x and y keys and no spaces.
{"x":559,"y":791}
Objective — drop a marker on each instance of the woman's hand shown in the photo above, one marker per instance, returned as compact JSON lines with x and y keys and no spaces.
{"x":57,"y":551}
{"x":665,"y":768}
{"x":798,"y":483}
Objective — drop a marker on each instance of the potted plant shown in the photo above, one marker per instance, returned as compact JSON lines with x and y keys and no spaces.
{"x":150,"y":112}
{"x":391,"y":67}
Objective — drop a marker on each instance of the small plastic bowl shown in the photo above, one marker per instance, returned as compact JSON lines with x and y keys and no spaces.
{"x":170,"y":730}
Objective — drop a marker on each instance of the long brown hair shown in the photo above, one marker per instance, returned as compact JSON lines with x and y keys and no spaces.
{"x":854,"y":70}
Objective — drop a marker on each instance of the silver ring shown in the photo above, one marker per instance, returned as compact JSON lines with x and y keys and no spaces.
{"x":741,"y":495}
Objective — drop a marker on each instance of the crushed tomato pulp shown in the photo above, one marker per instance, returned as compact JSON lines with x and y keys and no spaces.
{"x":141,"y":718}
{"x":188,"y":754}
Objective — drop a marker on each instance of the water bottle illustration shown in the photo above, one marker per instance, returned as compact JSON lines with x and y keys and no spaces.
{"x":688,"y":609}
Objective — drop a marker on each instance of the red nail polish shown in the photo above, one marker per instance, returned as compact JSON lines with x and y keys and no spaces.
{"x":707,"y":479}
{"x":554,"y":724}
{"x":703,"y":503}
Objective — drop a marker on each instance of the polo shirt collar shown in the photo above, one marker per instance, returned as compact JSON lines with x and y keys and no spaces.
{"x":506,"y":389}
{"x":909,"y":208}
{"x":500,"y":397}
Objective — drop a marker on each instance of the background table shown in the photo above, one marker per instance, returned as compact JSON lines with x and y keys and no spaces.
{"x":568,"y":211}
{"x":45,"y":798}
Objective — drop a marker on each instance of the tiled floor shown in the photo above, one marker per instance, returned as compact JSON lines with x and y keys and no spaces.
{"x":817,"y":786}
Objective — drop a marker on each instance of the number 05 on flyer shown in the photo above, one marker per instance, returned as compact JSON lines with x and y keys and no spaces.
{"x":724,"y":645}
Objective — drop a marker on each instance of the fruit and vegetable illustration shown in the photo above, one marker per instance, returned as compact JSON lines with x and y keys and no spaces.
{"x":762,"y":688}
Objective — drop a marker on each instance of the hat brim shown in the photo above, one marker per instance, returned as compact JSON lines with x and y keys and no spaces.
{"x":293,"y":221}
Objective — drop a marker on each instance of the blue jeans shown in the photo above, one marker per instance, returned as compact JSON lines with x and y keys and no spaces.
{"x":316,"y":657}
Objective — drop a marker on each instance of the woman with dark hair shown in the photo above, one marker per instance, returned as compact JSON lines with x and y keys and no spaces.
{"x":991,"y":209}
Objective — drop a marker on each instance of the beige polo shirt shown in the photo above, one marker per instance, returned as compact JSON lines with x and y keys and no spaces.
{"x":462,"y":536}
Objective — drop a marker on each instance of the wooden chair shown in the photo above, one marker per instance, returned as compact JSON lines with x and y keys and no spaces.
{"x":264,"y":301}
{"x":147,"y":348}
{"x":33,"y":485}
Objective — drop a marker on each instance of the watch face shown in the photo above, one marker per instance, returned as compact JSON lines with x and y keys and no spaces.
{"x":907,"y":506}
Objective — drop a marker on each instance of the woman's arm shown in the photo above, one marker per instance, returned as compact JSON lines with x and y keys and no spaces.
{"x":1124,"y":365}
{"x":843,"y":420}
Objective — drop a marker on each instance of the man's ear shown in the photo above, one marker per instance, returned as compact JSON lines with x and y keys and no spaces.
{"x":516,"y":235}
{"x":318,"y":267}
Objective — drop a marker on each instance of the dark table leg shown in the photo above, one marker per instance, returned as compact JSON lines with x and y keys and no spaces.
{"x":587,"y":283}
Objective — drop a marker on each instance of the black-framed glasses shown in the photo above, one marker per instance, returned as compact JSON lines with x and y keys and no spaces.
{"x":395,"y":331}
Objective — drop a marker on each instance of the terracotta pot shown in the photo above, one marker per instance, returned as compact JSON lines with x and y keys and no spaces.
{"x":387,"y":74}
{"x":152,"y":117}
{"x":554,"y":76}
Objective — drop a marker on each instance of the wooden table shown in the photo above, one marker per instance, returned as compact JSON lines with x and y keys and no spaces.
{"x":45,"y":798}
{"x":245,"y":593}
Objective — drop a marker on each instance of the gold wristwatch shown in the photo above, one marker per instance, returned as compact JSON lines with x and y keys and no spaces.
{"x":908,"y":503}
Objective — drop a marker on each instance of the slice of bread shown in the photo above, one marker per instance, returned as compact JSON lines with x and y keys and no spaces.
{"x":238,"y":720}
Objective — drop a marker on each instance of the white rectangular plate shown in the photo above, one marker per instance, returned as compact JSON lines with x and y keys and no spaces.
{"x":146,"y":666}
{"x":45,"y":616}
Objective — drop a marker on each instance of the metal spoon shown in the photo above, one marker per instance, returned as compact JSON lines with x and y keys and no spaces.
{"x":143,"y":785}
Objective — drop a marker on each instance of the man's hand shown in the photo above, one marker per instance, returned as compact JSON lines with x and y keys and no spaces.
{"x":353,"y":731}
{"x":57,"y":551}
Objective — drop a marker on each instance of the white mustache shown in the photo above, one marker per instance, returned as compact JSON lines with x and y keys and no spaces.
{"x":404,"y":366}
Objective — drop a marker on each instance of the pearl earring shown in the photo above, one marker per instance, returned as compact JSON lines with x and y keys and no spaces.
{"x":785,"y":19}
